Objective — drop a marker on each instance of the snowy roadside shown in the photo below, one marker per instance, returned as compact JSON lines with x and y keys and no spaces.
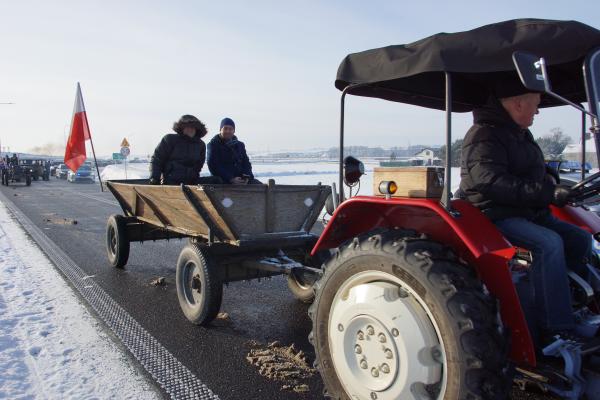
{"x":50,"y":345}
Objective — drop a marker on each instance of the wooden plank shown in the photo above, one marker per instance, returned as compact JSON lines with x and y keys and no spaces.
{"x":161,"y":217}
{"x":115,"y":190}
{"x":316,"y":209}
{"x":201,"y":210}
{"x":422,"y":182}
{"x":269,"y":207}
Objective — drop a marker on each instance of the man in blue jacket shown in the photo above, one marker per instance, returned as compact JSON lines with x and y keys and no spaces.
{"x":227,"y":158}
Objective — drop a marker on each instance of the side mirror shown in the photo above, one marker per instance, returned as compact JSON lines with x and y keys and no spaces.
{"x":353,"y":170}
{"x":532,"y":71}
{"x":591,"y":70}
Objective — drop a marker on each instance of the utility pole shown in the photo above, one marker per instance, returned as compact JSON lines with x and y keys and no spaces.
{"x":4,"y":103}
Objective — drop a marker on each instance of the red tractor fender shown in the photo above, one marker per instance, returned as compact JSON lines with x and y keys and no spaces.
{"x":473,"y":237}
{"x":578,"y":216}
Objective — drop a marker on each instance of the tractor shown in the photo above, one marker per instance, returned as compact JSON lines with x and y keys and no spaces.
{"x":418,"y":299}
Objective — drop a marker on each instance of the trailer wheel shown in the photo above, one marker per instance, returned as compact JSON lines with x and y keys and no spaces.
{"x":117,"y":244}
{"x":303,"y":291}
{"x":398,"y":317}
{"x":199,"y":287}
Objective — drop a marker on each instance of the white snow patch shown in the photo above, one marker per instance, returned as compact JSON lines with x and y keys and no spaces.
{"x":51,"y":347}
{"x":118,"y":171}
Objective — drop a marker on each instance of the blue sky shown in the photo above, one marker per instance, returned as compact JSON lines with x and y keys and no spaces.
{"x":269,"y":65}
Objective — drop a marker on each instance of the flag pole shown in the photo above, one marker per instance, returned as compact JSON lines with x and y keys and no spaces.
{"x":91,"y":142}
{"x":96,"y":163}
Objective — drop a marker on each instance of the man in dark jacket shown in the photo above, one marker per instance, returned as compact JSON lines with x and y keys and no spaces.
{"x":227,"y":156}
{"x":503,"y":173}
{"x":180,"y":156}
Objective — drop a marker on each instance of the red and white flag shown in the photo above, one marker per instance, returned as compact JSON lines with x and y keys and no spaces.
{"x":80,"y":132}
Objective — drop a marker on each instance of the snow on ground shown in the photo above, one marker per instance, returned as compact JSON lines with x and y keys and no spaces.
{"x":118,"y":171}
{"x":51,"y":347}
{"x":285,"y":172}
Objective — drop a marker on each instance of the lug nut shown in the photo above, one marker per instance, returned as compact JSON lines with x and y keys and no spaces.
{"x":370,"y":330}
{"x":363,"y":364}
{"x":388,"y":354}
{"x":357,"y":349}
{"x":340,"y":327}
{"x":375,"y":372}
{"x":382,"y":338}
{"x":385,"y":368}
{"x":360,"y":335}
{"x":395,"y":332}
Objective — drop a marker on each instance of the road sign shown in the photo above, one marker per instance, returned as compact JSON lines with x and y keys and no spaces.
{"x":125,"y":151}
{"x":124,"y":143}
{"x":117,"y":156}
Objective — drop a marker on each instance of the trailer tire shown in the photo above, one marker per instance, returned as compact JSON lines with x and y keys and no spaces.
{"x":199,"y":286}
{"x":117,"y":243}
{"x":304,"y":292}
{"x":460,"y":351}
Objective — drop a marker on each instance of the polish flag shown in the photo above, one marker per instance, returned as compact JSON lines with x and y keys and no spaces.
{"x":80,"y":132}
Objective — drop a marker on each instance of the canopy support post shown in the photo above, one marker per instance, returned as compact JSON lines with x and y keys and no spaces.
{"x":583,"y":134}
{"x":446,"y":194}
{"x":346,"y":90}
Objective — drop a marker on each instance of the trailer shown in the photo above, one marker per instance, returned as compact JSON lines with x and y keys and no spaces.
{"x":235,"y":232}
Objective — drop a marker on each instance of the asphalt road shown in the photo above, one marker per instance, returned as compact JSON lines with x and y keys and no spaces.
{"x":258,"y":311}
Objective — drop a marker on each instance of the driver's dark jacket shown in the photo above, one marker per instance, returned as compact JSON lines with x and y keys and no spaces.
{"x":179,"y":159}
{"x":502,"y":167}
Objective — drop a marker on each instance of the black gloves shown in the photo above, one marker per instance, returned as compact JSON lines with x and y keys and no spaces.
{"x":561,"y":195}
{"x":154,"y":181}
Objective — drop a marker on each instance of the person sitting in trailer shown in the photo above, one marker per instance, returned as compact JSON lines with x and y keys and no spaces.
{"x":227,"y":156}
{"x":503,"y":173}
{"x":180,"y":156}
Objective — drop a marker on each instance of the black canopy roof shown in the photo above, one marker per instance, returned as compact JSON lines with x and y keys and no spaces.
{"x":478,"y":61}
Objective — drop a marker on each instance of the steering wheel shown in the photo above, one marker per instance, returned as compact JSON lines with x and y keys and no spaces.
{"x":585,"y":181}
{"x":580,"y":192}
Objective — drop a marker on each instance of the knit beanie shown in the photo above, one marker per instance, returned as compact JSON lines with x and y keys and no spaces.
{"x":227,"y":121}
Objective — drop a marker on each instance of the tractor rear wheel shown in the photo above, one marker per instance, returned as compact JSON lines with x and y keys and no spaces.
{"x":397,"y":316}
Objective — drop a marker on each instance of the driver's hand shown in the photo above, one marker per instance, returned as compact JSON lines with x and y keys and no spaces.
{"x":561,"y":195}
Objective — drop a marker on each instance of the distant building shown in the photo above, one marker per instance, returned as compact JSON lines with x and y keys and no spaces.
{"x":427,"y":155}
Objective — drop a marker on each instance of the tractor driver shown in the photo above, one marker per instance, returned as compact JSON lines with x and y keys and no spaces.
{"x":503,"y":174}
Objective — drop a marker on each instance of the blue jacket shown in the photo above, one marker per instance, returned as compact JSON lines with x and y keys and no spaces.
{"x":228,"y":159}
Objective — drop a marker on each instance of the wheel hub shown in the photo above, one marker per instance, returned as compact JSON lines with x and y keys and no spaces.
{"x":375,"y":352}
{"x":192,"y":284}
{"x":383,"y":344}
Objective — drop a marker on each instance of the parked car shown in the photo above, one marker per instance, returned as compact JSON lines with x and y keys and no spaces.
{"x":61,"y":171}
{"x":85,"y":173}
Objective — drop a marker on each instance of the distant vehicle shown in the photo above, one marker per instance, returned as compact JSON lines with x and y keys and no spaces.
{"x":574,"y":166}
{"x":53,"y":166}
{"x":61,"y":171}
{"x":39,"y":168}
{"x":16,"y":173}
{"x":85,"y":173}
